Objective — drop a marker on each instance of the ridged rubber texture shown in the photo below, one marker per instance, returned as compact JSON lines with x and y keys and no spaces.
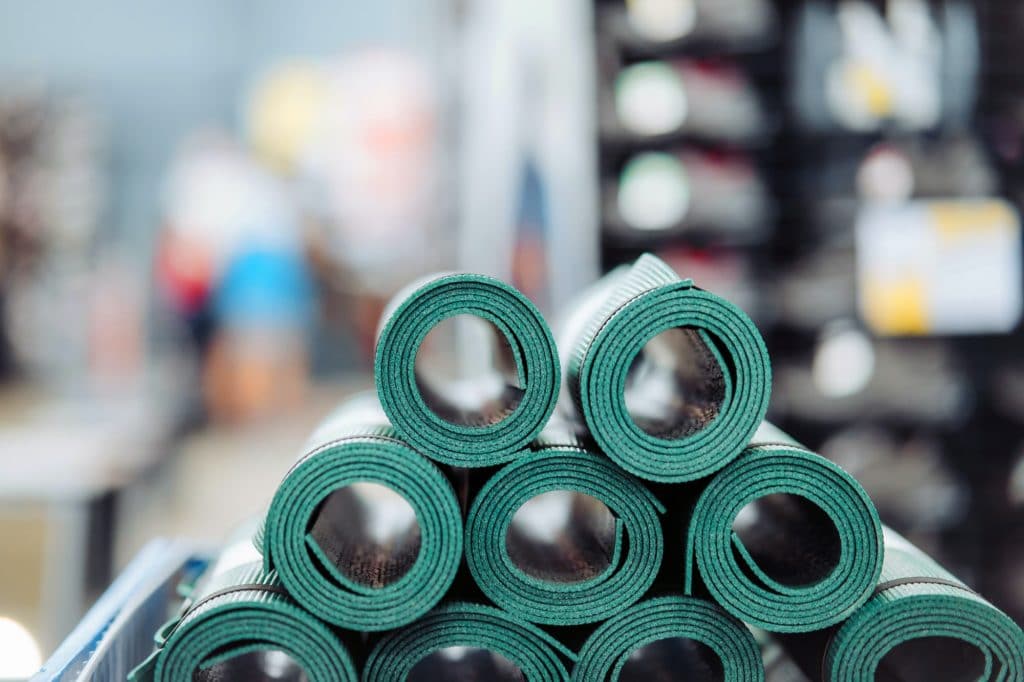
{"x":408,"y":320}
{"x":539,"y":656}
{"x":373,"y":454}
{"x":248,"y":620}
{"x":609,"y":647}
{"x":640,"y":303}
{"x":732,"y":576}
{"x":921,"y":610}
{"x":639,"y":545}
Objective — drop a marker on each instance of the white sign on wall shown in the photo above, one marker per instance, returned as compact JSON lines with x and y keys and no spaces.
{"x":939,"y":267}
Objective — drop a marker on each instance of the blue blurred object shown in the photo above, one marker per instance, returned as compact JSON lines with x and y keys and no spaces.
{"x":265,"y":287}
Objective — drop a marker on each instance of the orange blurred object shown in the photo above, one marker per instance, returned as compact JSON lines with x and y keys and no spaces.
{"x":251,"y":374}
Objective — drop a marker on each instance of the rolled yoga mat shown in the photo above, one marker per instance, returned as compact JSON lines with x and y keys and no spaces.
{"x":601,"y":559}
{"x":439,"y":424}
{"x":670,"y":637}
{"x":804,"y":557}
{"x":345,"y":545}
{"x":406,"y":654}
{"x":235,"y":624}
{"x":920,"y":624}
{"x":696,"y":393}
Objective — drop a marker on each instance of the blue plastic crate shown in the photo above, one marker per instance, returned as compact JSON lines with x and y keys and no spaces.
{"x":117,"y":632}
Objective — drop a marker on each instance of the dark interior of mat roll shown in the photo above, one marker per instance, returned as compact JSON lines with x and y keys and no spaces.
{"x":674,"y":386}
{"x":581,"y":549}
{"x":790,"y":538}
{"x":273,"y":665}
{"x":932,"y":658}
{"x":673,"y":658}
{"x":466,"y":664}
{"x":496,"y":393}
{"x":486,"y":411}
{"x":342,"y":529}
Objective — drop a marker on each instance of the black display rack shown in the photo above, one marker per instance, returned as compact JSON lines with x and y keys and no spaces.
{"x":810,"y":175}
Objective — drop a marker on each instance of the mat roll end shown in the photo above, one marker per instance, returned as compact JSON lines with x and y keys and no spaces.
{"x":340,"y":581}
{"x":631,"y":548}
{"x":942,"y":626}
{"x":538,"y":656}
{"x":717,"y":391}
{"x":733,"y":651}
{"x":772,"y":583}
{"x":238,"y":609}
{"x":436,"y":424}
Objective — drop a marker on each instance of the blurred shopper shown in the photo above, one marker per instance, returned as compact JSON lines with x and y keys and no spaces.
{"x":355,"y":138}
{"x":231,"y":264}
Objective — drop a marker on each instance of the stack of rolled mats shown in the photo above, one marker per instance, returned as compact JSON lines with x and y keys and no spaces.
{"x":612,"y":508}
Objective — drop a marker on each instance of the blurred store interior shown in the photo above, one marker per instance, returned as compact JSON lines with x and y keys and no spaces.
{"x":205,"y":206}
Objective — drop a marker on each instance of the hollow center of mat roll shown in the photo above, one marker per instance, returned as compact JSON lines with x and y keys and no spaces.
{"x":925,"y":659}
{"x":369,"y":532}
{"x":674,"y":385}
{"x":562,"y":536}
{"x":466,"y":372}
{"x":267,"y":665}
{"x":673,"y":658}
{"x":465,"y":664}
{"x":790,"y":538}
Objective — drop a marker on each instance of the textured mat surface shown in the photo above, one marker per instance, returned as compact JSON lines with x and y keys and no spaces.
{"x":323,"y":548}
{"x":566,"y":589}
{"x":538,"y":656}
{"x":799,"y":563}
{"x":435,"y":425}
{"x":947,"y":632}
{"x":709,"y":404}
{"x":729,"y":649}
{"x":238,"y":609}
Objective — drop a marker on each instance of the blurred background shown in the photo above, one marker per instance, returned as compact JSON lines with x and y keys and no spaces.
{"x":205,"y":206}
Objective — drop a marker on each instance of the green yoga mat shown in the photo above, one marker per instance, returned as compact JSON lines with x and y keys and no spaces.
{"x":698,"y":393}
{"x":718,"y":647}
{"x":538,"y":656}
{"x":921,"y":623}
{"x":353,"y":564}
{"x":596,"y":565}
{"x":235,"y":616}
{"x":793,"y":564}
{"x":436,"y":424}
